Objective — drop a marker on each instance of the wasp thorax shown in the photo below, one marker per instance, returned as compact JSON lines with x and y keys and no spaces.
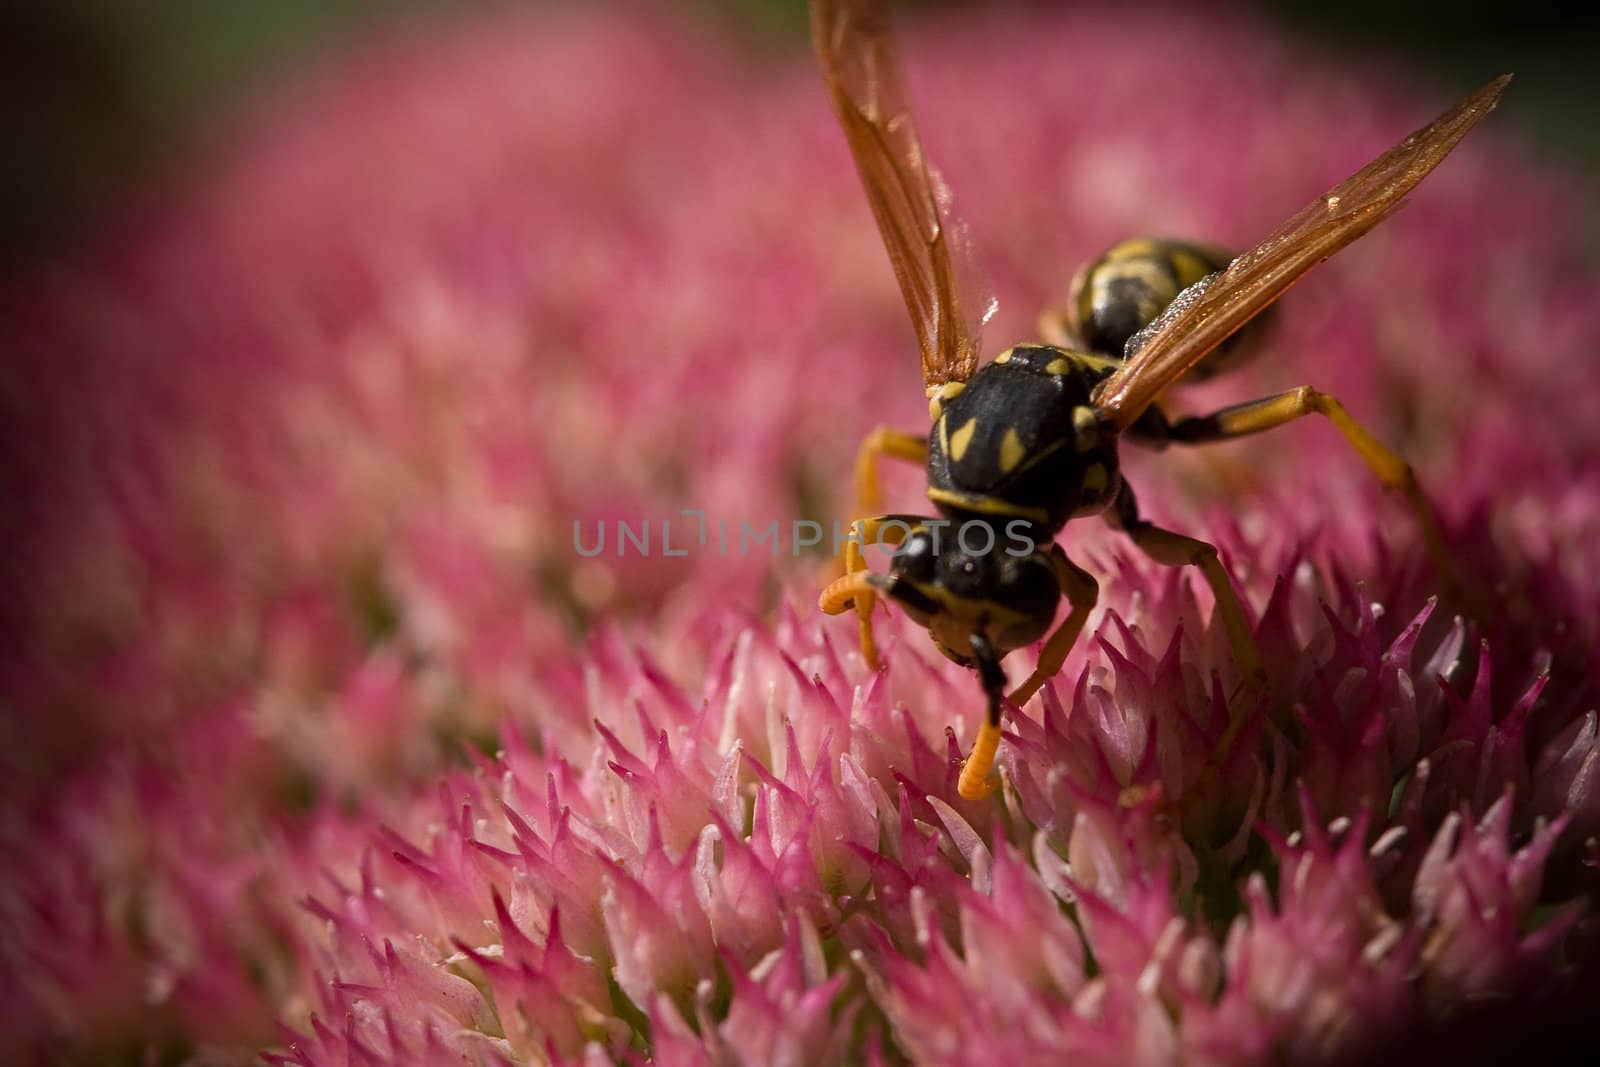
{"x":1023,"y":440}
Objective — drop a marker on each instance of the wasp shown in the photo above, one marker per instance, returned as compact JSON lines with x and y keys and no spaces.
{"x":1021,"y":445}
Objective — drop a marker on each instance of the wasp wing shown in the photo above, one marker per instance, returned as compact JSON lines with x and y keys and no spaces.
{"x":926,"y":245}
{"x":1204,"y":315}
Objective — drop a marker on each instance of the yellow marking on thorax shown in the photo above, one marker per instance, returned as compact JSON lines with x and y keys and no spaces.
{"x":1004,"y":357}
{"x":947,"y":391}
{"x":1011,"y":451}
{"x":962,"y":438}
{"x":1083,"y":421}
{"x":1096,"y":477}
{"x":1064,"y":363}
{"x":986,"y":505}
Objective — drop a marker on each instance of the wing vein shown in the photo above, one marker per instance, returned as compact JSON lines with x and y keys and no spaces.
{"x":1207,"y":313}
{"x":927,"y":248}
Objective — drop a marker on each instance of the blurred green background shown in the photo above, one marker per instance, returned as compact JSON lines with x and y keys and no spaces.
{"x":103,"y":97}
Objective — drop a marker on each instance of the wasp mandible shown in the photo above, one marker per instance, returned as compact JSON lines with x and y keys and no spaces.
{"x":1023,"y":444}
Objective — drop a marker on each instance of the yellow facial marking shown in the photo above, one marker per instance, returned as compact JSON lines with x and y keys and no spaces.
{"x":962,"y":438}
{"x":1011,"y":451}
{"x":1095,"y":478}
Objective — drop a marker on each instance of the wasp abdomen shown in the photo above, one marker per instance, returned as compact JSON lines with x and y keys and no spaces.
{"x":1129,"y":286}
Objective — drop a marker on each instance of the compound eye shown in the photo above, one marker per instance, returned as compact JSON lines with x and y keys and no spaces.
{"x":914,"y":559}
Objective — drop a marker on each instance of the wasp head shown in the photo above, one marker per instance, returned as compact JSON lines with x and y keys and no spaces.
{"x":960,"y":582}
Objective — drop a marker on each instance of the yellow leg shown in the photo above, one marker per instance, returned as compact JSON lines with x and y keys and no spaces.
{"x":975,"y":782}
{"x":883,"y":441}
{"x":1082,"y":593}
{"x":854,"y":588}
{"x":1391,"y":469}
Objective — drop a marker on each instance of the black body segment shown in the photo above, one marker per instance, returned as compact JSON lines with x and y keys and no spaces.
{"x":961,"y":579}
{"x":1021,"y":441}
{"x":1131,"y":283}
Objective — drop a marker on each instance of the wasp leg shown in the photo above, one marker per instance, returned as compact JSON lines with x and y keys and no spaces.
{"x":975,"y":783}
{"x":1273,"y":411}
{"x":855,"y":588}
{"x":883,"y":441}
{"x":1175,"y":550}
{"x":1082,"y":592}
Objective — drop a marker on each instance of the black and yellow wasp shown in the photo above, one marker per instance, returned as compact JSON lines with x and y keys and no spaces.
{"x":1023,"y":444}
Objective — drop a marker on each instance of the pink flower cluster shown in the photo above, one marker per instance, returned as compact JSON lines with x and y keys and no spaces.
{"x":321,"y":738}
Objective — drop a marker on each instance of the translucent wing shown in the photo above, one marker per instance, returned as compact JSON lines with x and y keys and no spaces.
{"x":1205,"y":315}
{"x":863,"y":76}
